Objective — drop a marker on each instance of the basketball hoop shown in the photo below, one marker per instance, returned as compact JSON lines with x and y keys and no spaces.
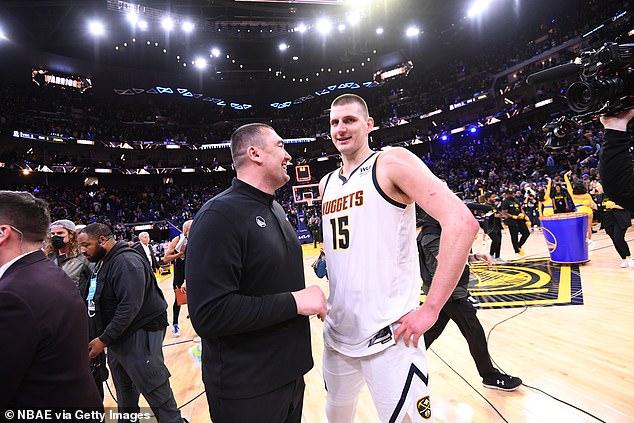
{"x":308,"y":198}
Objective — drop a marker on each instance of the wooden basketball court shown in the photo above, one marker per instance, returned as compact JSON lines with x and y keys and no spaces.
{"x":570,"y":340}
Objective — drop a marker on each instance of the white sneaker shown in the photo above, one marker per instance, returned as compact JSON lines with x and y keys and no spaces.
{"x":630,"y":262}
{"x":176,"y":333}
{"x":624,"y":264}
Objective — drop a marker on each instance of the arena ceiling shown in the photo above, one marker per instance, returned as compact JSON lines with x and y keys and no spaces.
{"x":239,"y":40}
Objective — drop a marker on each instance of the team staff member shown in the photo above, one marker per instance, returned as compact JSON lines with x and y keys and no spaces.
{"x":43,"y":320}
{"x":495,"y":226}
{"x":246,"y":291}
{"x":515,"y":219}
{"x":374,"y":320}
{"x":124,"y":299}
{"x":459,"y":308}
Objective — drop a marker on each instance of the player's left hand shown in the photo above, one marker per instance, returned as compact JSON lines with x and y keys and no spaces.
{"x":414,"y":324}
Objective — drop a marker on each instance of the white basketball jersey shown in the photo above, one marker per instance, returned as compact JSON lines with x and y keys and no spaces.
{"x":372,"y":261}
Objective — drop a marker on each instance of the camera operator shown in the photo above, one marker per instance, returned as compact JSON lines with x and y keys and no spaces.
{"x":615,"y":164}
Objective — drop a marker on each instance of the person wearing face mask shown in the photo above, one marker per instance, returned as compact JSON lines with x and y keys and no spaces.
{"x":63,"y":249}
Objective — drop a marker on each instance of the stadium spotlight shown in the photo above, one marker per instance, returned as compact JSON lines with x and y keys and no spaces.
{"x":283,"y":46}
{"x":2,"y":35}
{"x":142,"y":25}
{"x":412,"y":32}
{"x":200,"y":63}
{"x":353,"y":17}
{"x":96,"y":28}
{"x":215,"y":52}
{"x":477,"y":8}
{"x":301,"y":28}
{"x":167,"y":23}
{"x":324,"y":26}
{"x":188,"y":27}
{"x":341,"y":27}
{"x":295,"y":58}
{"x":379,"y":31}
{"x":133,"y":18}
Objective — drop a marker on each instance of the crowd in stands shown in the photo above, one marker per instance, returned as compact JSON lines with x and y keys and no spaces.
{"x":498,"y":158}
{"x":471,"y":165}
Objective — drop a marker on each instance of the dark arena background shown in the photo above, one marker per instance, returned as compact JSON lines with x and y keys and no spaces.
{"x":121,"y":113}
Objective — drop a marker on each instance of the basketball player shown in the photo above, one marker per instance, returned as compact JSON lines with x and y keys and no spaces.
{"x":176,"y":253}
{"x":374,"y":321}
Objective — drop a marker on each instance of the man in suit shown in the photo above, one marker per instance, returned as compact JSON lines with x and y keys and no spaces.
{"x":143,"y":247}
{"x":44,"y":324}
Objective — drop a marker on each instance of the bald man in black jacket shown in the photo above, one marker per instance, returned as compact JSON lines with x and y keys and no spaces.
{"x":246,"y":291}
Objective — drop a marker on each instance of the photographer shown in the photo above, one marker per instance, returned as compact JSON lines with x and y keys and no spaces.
{"x":615,"y":164}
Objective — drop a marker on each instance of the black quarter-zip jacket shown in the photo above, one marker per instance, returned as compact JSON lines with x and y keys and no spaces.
{"x":243,"y":261}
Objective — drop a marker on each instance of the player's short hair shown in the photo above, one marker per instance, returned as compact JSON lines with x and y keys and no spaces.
{"x":350,"y":99}
{"x":28,"y":214}
{"x":97,"y":230}
{"x":242,"y":138}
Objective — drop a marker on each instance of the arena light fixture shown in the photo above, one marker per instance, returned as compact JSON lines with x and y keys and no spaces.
{"x":478,"y":7}
{"x":200,"y":63}
{"x":2,"y":35}
{"x":142,"y":25}
{"x":188,"y":27}
{"x":353,"y":17}
{"x":133,"y":18}
{"x":301,"y":28}
{"x":167,"y":23}
{"x":412,"y":32}
{"x":324,"y":26}
{"x":215,"y":52}
{"x":341,"y":27}
{"x":379,"y":31}
{"x":283,"y":46}
{"x":96,"y":28}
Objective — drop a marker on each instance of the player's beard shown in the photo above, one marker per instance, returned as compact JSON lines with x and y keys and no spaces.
{"x":100,"y":253}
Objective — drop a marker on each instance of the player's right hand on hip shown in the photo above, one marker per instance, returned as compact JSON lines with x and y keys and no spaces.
{"x":311,"y":300}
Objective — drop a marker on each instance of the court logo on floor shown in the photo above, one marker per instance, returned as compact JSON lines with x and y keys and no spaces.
{"x":532,"y":282}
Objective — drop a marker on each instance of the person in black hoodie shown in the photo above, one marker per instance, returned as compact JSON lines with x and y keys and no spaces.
{"x":130,"y":313}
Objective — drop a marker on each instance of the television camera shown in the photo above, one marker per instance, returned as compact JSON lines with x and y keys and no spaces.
{"x":605,"y":87}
